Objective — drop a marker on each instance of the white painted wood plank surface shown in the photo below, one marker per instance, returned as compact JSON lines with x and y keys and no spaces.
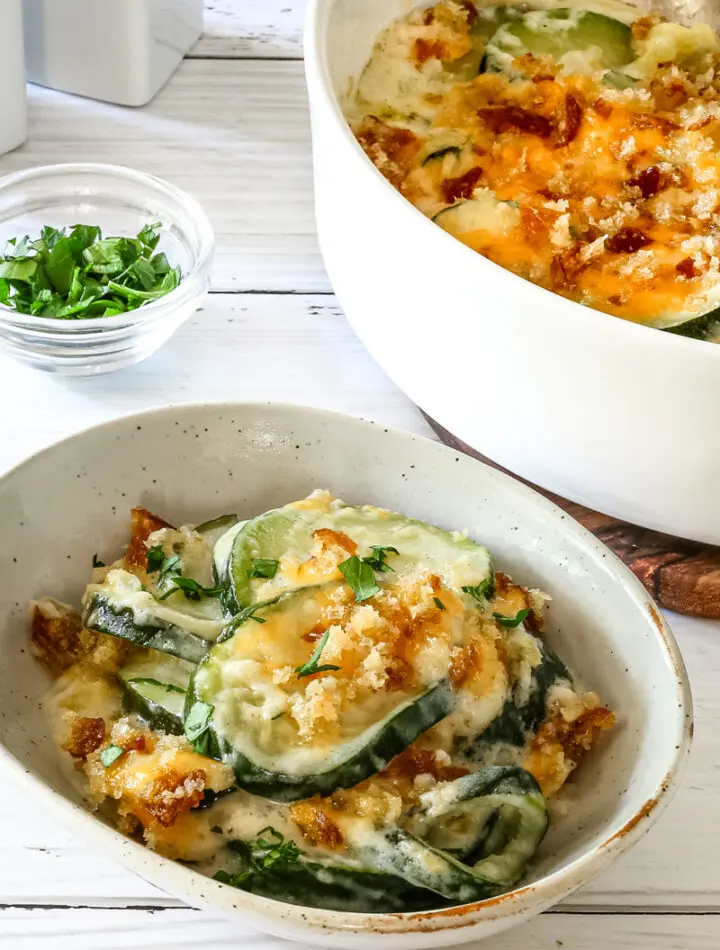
{"x":252,"y":28}
{"x":235,"y":134}
{"x":239,"y":347}
{"x":173,"y":929}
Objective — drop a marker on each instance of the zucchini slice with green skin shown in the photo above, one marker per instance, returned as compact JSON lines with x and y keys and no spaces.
{"x":524,"y":710}
{"x":331,"y":885}
{"x":489,"y":19}
{"x":106,"y":616}
{"x":247,"y":724}
{"x":154,"y":688}
{"x":121,"y":607}
{"x":592,"y":41}
{"x":484,"y":212}
{"x":521,"y":822}
{"x":288,"y":533}
{"x":703,"y":327}
{"x":211,"y":531}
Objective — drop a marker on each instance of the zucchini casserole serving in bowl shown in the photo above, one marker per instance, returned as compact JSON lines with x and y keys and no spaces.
{"x":320,"y":717}
{"x":335,"y":706}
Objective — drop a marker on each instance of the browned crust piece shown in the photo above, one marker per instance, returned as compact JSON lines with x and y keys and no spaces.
{"x":142,"y":525}
{"x":55,"y":637}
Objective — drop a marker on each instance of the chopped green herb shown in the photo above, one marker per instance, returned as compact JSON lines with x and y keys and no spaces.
{"x":271,"y":853}
{"x":156,"y":561}
{"x":515,"y":621}
{"x":481,"y":592}
{"x":191,"y":589}
{"x":111,"y":754}
{"x":247,"y":613}
{"x":360,"y":576}
{"x":155,"y":558}
{"x":197,"y":723}
{"x":439,"y":604}
{"x":77,"y":273}
{"x":311,"y":667}
{"x":97,"y":562}
{"x":216,"y":830}
{"x":262,"y":857}
{"x":378,"y":559}
{"x":149,"y":681}
{"x":263,"y":567}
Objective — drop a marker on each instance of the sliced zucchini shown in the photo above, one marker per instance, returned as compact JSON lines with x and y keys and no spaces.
{"x":457,"y":813}
{"x":484,"y":212}
{"x":703,"y":327}
{"x":396,"y":87}
{"x":121,"y":606}
{"x":579,"y":40}
{"x":154,"y":688}
{"x":212,"y":531}
{"x":523,"y":711}
{"x":286,"y":535}
{"x":252,"y":715}
{"x":489,"y":19}
{"x":331,"y":884}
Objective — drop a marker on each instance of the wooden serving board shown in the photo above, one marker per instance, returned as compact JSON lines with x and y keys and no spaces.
{"x":681,"y":575}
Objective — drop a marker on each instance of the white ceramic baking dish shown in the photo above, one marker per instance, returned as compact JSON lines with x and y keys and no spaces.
{"x":604,"y":412}
{"x":187,"y":463}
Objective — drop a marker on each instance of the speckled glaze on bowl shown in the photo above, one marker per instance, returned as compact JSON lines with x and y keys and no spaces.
{"x":190,"y":462}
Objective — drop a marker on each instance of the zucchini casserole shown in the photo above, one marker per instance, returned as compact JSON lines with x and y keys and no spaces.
{"x":329,"y":705}
{"x":575,"y":146}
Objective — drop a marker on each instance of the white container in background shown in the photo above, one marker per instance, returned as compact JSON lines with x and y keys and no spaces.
{"x":13,"y":100}
{"x":121,"y":51}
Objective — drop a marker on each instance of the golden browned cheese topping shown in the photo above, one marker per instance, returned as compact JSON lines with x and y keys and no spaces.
{"x":560,"y":745}
{"x":85,"y":735}
{"x":55,"y":635}
{"x":618,"y":191}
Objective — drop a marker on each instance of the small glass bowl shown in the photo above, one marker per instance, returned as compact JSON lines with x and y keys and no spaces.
{"x":121,"y":201}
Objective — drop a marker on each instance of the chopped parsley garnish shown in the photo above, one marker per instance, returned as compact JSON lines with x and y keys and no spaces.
{"x":312,"y":667}
{"x":157,"y":562}
{"x":216,"y":830}
{"x":439,"y":604}
{"x":264,"y":856}
{"x":155,"y":559}
{"x":197,"y":723}
{"x":191,"y":589}
{"x":149,"y":681}
{"x":515,"y":621}
{"x":248,"y":613}
{"x":481,"y":592}
{"x":360,"y":576}
{"x":111,"y":754}
{"x":378,"y":559}
{"x":97,"y":562}
{"x":77,"y":274}
{"x":263,"y":567}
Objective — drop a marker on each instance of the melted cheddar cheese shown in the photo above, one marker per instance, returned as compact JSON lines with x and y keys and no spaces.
{"x":614,"y":193}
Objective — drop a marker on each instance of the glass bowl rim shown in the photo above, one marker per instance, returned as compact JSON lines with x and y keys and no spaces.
{"x":145,"y":314}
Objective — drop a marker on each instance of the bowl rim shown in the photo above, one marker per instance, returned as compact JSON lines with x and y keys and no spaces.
{"x":48,"y":326}
{"x":524,"y":900}
{"x":320,"y":88}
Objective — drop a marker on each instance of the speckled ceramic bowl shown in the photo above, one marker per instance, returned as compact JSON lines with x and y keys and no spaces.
{"x":187,"y":463}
